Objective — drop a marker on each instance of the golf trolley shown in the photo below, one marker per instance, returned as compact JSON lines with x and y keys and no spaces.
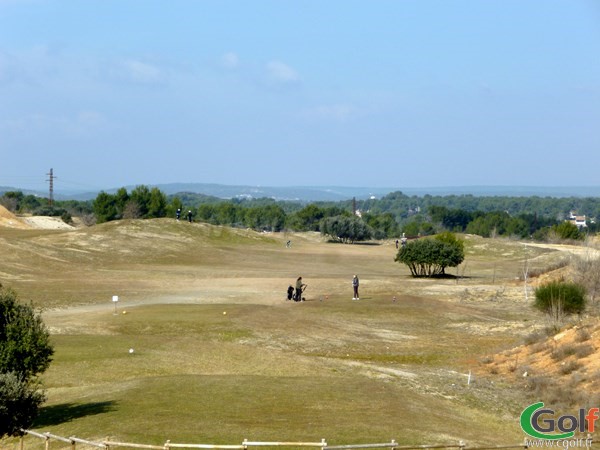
{"x":292,"y":295}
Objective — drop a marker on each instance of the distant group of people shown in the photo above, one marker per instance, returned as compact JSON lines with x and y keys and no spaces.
{"x":403,"y":241}
{"x":295,"y":293}
{"x":189,"y":215}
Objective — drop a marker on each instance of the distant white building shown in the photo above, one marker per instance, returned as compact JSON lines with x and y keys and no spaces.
{"x":578,"y":221}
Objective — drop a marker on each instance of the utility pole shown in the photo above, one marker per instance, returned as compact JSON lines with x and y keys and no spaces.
{"x":51,"y":178}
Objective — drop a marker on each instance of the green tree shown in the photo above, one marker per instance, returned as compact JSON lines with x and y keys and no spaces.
{"x":105,"y":208}
{"x":430,"y":256}
{"x":346,"y":229}
{"x":25,"y":352}
{"x":121,"y":198}
{"x":157,"y":204}
{"x":207,"y":213}
{"x":450,"y":238}
{"x":175,"y":204}
{"x":228,"y":214}
{"x":252,"y":218}
{"x":518,"y":227}
{"x":383,"y":225}
{"x":450,"y":219}
{"x":418,"y":227}
{"x":24,"y":341}
{"x":558,"y":297}
{"x":20,"y":401}
{"x":489,"y":224}
{"x":141,"y":197}
{"x":273,"y":218}
{"x":11,"y":200}
{"x":307,"y":219}
{"x":568,"y":230}
{"x":30,"y":203}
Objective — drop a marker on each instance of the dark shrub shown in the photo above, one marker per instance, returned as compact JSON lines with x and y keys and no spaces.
{"x":566,"y":297}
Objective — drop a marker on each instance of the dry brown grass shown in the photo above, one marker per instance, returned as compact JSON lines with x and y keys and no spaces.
{"x":270,"y":369}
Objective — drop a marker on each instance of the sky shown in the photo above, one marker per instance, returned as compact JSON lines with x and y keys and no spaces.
{"x":381,"y":93}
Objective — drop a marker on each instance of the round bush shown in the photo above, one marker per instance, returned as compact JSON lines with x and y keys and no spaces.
{"x":570,"y":297}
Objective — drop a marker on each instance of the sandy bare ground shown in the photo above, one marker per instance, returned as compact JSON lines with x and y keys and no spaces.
{"x":10,"y":220}
{"x":589,"y":251}
{"x":47,"y":223}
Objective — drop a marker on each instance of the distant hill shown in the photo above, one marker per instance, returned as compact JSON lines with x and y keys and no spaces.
{"x":294,"y":193}
{"x":333,"y":193}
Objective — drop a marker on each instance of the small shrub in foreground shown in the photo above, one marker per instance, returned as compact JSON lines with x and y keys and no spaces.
{"x":570,"y":367}
{"x":584,"y":350}
{"x":583,"y":335}
{"x":563,"y":352}
{"x":559,"y":297}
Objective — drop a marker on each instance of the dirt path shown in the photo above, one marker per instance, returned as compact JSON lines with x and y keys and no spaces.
{"x":579,"y":250}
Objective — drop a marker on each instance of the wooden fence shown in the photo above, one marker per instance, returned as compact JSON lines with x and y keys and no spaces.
{"x":246,"y":444}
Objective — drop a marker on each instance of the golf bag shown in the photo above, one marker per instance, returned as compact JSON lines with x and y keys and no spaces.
{"x":297,"y":297}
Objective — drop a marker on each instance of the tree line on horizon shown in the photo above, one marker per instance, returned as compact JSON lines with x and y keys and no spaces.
{"x":389,"y":217}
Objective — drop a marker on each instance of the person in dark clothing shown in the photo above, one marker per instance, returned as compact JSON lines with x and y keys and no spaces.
{"x":189,"y":216}
{"x":355,"y":284}
{"x":290,"y":292}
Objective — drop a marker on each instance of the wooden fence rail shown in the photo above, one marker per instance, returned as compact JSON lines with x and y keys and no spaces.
{"x":392,"y":445}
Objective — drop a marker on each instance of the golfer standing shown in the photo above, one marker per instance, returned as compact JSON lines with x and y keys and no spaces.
{"x":299,"y":288}
{"x":355,"y":284}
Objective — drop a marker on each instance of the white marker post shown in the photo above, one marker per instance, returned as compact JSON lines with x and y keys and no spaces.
{"x":115,"y":299}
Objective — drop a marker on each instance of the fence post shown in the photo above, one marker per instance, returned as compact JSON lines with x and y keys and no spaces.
{"x":167,"y":444}
{"x":393,"y":446}
{"x":461,"y":445}
{"x":323,"y":443}
{"x":244,"y":444}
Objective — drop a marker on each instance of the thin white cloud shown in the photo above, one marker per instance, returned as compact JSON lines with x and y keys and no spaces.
{"x":282,"y":73}
{"x":230,"y":60}
{"x":336,"y":113}
{"x":36,"y":64}
{"x":135,"y":71}
{"x":142,"y":72}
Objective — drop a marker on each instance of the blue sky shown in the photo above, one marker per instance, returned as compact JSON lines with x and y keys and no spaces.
{"x":404,"y":93}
